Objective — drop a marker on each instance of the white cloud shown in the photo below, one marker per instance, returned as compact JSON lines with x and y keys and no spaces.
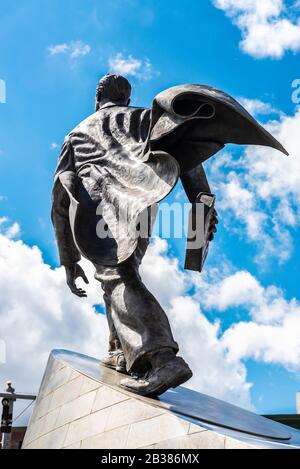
{"x":54,"y":146}
{"x":261,"y":191}
{"x":266,"y":305}
{"x":270,"y":171}
{"x":277,"y":344}
{"x":199,"y":340}
{"x":10,"y":230}
{"x":201,"y":345}
{"x":58,"y":49}
{"x":162,"y":273}
{"x":275,"y":179}
{"x":242,"y":202}
{"x":257,"y":107}
{"x":131,"y":66}
{"x":38,"y":313}
{"x":73,"y":49}
{"x":270,"y":332}
{"x":269,"y":27}
{"x":2,"y":92}
{"x":234,"y":290}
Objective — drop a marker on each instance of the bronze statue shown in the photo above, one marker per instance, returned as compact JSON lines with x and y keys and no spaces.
{"x":114,"y":167}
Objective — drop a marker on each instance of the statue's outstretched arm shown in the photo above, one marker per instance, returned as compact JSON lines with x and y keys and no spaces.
{"x":195,"y":181}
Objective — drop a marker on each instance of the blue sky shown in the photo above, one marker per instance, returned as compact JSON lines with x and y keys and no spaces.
{"x":51,"y":57}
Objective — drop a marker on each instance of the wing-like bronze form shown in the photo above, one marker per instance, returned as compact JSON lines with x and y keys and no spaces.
{"x":193,"y":122}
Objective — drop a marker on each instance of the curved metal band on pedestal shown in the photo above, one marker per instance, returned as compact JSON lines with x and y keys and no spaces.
{"x":81,"y":405}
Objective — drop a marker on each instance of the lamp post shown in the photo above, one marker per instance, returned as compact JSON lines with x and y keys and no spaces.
{"x":8,"y":400}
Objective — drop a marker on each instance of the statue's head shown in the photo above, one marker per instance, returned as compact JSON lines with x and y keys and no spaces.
{"x":114,"y":88}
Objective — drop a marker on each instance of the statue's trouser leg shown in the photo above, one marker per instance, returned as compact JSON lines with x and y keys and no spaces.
{"x":139,"y":321}
{"x":114,"y":341}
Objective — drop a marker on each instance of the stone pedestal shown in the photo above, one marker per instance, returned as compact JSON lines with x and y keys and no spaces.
{"x":80,"y":406}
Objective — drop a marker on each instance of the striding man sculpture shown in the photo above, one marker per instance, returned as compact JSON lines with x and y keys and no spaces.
{"x":113,"y":170}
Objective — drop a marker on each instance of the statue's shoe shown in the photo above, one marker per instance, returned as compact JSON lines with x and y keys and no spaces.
{"x":115,"y":361}
{"x":172,"y":374}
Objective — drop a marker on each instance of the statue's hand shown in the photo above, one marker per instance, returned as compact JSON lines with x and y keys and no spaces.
{"x":213,"y":227}
{"x":72,"y":273}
